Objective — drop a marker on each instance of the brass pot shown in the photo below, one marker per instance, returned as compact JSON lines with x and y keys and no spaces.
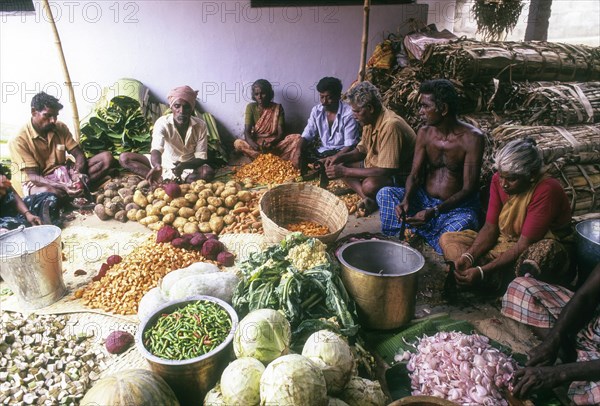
{"x":192,"y":378}
{"x":381,"y":277}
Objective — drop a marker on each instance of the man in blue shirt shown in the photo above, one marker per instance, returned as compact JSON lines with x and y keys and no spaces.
{"x":331,"y":127}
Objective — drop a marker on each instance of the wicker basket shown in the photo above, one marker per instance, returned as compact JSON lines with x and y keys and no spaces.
{"x":293,"y":202}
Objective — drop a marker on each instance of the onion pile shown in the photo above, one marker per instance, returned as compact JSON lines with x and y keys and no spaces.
{"x":461,"y":368}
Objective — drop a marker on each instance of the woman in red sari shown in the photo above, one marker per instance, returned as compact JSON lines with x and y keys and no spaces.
{"x":264,"y":127}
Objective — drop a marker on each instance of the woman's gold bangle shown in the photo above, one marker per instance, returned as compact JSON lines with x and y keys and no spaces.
{"x":480,"y":271}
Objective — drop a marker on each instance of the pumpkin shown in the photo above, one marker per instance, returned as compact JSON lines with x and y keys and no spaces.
{"x":134,"y":387}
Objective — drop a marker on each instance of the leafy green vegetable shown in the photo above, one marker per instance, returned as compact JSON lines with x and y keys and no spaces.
{"x":310,"y":300}
{"x":119,"y":127}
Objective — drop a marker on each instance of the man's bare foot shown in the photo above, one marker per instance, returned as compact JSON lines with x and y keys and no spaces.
{"x":365,"y":207}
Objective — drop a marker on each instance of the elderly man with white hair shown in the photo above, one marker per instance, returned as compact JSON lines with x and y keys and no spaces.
{"x":179,"y":143}
{"x":383,"y":157}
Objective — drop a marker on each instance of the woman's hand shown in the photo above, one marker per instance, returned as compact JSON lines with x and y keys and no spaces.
{"x":462,"y":263}
{"x":468,"y":277}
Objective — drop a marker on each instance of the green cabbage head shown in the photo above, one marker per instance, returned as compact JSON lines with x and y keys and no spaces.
{"x":240,"y":382}
{"x":293,"y":380}
{"x":333,"y":355}
{"x":263,"y":334}
{"x":363,"y":392}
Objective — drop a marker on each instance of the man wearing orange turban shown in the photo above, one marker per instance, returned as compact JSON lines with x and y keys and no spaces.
{"x":179,"y":143}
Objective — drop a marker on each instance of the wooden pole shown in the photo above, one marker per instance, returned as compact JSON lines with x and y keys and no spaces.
{"x":365,"y":41}
{"x":63,"y":61}
{"x":538,"y":20}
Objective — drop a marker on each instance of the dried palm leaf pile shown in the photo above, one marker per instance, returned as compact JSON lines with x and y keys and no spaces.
{"x":547,"y":91}
{"x":555,"y":103}
{"x":474,"y":61}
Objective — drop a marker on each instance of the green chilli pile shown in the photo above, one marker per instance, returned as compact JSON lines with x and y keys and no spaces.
{"x":188,"y":332}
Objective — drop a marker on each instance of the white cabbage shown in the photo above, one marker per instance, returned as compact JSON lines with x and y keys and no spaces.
{"x":293,"y":380}
{"x":214,"y":397}
{"x":263,"y":334}
{"x":333,"y":355}
{"x":363,"y":392}
{"x":240,"y":382}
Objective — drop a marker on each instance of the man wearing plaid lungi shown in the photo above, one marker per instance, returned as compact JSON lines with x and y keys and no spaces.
{"x":441,"y":190}
{"x":569,"y":325}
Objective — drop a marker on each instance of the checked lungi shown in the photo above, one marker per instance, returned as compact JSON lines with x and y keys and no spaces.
{"x":460,"y":218}
{"x":536,"y":303}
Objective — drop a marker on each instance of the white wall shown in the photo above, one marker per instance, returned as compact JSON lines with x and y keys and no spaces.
{"x":217,"y":47}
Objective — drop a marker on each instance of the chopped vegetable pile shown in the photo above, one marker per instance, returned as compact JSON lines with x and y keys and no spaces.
{"x":459,"y":367}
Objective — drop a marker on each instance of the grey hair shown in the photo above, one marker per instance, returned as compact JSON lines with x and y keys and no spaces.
{"x":364,"y":93}
{"x":520,"y":157}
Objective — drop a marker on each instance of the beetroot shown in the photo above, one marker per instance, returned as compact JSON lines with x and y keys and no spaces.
{"x":113,"y":260}
{"x":118,"y":341}
{"x":197,"y":241}
{"x":172,"y":190}
{"x":225,"y":258}
{"x":211,"y":248}
{"x":187,"y":237}
{"x":210,"y":236}
{"x":167,"y":234}
{"x":179,"y":243}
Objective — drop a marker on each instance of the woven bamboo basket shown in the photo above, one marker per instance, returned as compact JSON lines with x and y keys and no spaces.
{"x":294,"y":202}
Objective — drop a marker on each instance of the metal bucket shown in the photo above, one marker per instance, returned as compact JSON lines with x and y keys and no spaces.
{"x":381,"y":277}
{"x":31,"y":265}
{"x":588,"y":247}
{"x":192,"y":378}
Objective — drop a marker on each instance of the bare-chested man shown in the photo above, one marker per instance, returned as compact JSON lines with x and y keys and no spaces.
{"x":441,"y":191}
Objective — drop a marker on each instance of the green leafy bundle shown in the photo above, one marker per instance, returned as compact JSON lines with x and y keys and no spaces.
{"x":117,"y":128}
{"x":311,"y":299}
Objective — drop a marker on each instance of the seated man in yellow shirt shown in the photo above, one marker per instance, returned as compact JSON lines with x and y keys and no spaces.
{"x":38,"y":154}
{"x":383,"y":157}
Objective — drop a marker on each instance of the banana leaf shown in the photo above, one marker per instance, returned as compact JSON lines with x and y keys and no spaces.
{"x":118,"y":128}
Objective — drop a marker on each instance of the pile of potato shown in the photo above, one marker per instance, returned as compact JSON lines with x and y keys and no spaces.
{"x":196,"y":207}
{"x":117,"y":197}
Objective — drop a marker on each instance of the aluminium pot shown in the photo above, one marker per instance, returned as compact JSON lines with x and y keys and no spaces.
{"x":381,"y":277}
{"x":31,"y":265}
{"x":588,"y":247}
